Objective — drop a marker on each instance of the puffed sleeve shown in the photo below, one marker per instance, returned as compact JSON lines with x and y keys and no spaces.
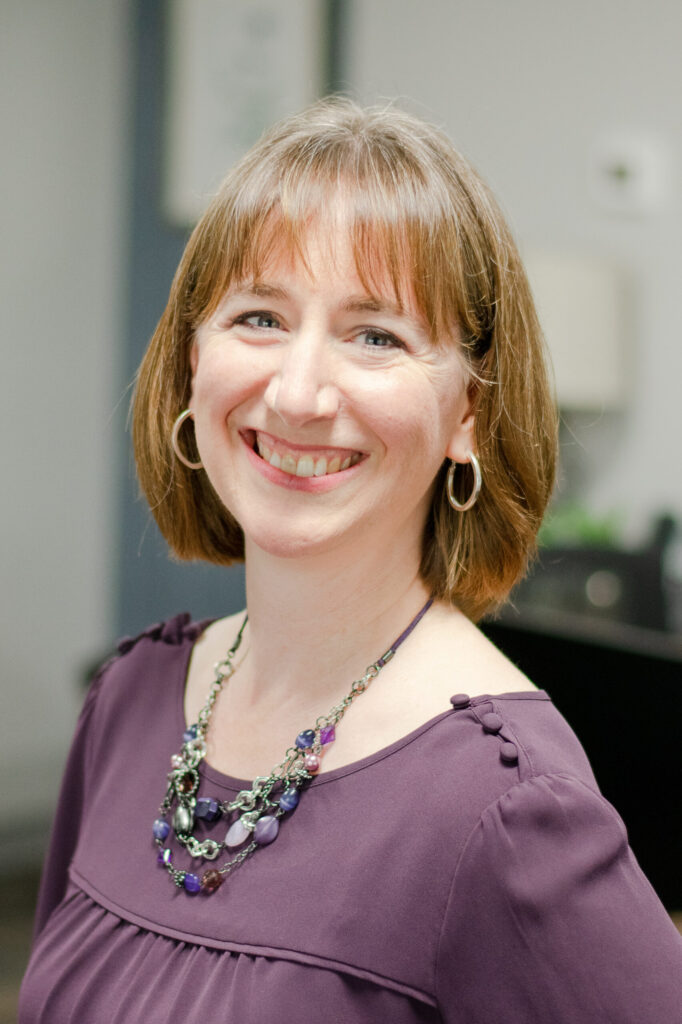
{"x":66,"y":825}
{"x":550,"y":918}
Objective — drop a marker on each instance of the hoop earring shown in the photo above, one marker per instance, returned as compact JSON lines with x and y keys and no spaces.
{"x":478,"y":480}
{"x":186,"y":414}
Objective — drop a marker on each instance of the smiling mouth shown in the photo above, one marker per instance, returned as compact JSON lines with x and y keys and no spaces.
{"x":301,"y":462}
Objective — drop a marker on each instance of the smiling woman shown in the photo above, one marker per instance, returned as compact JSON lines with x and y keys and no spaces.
{"x":348,"y":391}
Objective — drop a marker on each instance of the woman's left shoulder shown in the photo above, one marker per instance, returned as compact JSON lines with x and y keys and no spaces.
{"x":459,"y":651}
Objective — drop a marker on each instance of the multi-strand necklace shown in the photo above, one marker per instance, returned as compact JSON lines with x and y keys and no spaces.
{"x":254,"y":815}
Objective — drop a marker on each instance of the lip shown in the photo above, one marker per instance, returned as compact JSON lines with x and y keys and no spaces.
{"x":311,"y":484}
{"x":273,"y":441}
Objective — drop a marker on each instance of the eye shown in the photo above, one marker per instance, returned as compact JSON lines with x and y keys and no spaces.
{"x":259,"y":319}
{"x":371,"y":337}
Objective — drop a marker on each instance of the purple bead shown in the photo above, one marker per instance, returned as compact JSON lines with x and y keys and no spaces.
{"x":305,"y":739}
{"x":207,"y":808}
{"x":327,"y":735}
{"x":165,"y":856}
{"x":189,"y":734}
{"x":266,"y":830}
{"x":237,"y":834}
{"x":191,"y":883}
{"x":289,"y":799}
{"x":160,"y":828}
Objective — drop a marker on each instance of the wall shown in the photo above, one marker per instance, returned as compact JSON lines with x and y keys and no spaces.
{"x":63,"y":211}
{"x":526,"y":89}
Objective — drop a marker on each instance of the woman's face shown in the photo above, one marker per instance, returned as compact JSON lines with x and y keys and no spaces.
{"x":321,"y":414}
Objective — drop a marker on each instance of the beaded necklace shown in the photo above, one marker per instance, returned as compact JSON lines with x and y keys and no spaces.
{"x":255,"y":813}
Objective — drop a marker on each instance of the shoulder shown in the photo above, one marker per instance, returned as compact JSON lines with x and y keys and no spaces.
{"x":547,"y":886}
{"x":143,"y":665}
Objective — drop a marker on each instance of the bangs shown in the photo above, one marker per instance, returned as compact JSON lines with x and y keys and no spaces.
{"x":399,"y":226}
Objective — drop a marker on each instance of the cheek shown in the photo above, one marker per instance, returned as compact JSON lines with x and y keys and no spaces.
{"x":411,"y":416}
{"x":223,"y":380}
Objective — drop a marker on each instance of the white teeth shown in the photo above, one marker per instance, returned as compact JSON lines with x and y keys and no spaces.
{"x":305,"y":465}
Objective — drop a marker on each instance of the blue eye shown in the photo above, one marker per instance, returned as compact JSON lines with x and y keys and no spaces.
{"x":262,"y":320}
{"x":379,"y":339}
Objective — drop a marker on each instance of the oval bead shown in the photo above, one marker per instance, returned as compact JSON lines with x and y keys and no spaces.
{"x":165,"y":856}
{"x":189,"y":734}
{"x":266,"y":830}
{"x":311,"y":763}
{"x":182,"y":820}
{"x":305,"y":739}
{"x":237,"y":834}
{"x":289,"y":799}
{"x":191,"y":883}
{"x":160,"y":828}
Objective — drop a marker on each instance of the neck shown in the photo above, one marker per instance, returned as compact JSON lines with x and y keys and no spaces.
{"x":315,"y":623}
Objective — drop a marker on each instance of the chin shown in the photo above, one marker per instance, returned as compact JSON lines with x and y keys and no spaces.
{"x":291,"y":544}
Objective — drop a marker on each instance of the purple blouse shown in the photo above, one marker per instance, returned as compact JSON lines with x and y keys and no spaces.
{"x":468,"y":873}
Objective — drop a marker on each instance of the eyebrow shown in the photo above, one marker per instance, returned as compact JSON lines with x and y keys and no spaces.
{"x":263,"y":291}
{"x":366,"y":304}
{"x":354,"y":304}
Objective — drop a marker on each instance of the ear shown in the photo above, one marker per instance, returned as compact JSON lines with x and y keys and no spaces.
{"x":463,"y":437}
{"x":194,"y":359}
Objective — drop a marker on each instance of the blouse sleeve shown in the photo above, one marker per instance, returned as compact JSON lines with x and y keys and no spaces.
{"x":66,"y":825}
{"x":551,"y":919}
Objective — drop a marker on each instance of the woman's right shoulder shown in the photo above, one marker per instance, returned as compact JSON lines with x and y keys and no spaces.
{"x":148,"y":656}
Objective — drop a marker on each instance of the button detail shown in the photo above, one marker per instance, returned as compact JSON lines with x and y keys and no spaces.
{"x":508,"y":753}
{"x":460,"y":700}
{"x":491,"y":722}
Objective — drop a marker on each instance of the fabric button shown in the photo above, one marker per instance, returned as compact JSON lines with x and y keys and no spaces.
{"x":460,"y":700}
{"x":491,"y":722}
{"x":508,"y":753}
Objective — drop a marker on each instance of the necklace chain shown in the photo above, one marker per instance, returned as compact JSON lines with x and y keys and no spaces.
{"x":258,"y":809}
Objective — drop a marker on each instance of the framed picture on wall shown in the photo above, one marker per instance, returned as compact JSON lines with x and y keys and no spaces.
{"x":234,"y":68}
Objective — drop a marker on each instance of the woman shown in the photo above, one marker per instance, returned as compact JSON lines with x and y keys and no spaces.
{"x":347,"y":390}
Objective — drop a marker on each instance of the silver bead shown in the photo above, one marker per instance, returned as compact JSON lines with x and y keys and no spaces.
{"x":183,"y":820}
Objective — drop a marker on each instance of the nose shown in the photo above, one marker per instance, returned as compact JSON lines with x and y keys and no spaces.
{"x":301,"y":389}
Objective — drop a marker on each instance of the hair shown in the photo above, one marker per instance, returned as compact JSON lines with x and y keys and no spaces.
{"x":420,"y":216}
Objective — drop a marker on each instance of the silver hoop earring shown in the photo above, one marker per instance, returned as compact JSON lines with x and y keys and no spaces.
{"x":478,"y":480}
{"x":185,"y":415}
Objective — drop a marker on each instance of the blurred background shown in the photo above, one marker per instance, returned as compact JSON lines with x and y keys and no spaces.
{"x":117,"y":120}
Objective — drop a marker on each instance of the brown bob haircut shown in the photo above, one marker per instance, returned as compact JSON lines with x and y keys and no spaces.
{"x":418,"y":216}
